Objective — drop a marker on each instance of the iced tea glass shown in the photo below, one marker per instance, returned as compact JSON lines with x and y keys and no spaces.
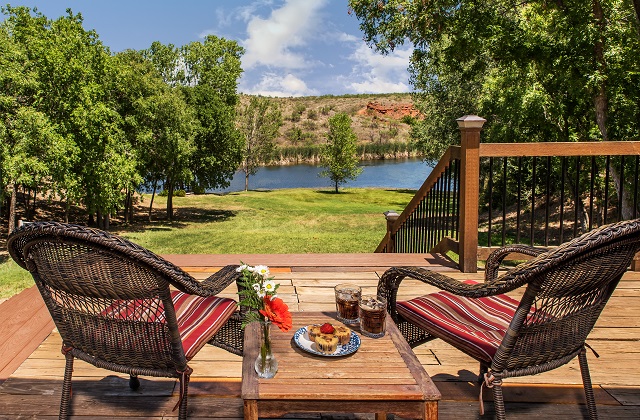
{"x":372,"y":312}
{"x":347,"y":298}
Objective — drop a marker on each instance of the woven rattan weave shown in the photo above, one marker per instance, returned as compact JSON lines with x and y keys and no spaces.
{"x":566,"y":290}
{"x":83,"y":272}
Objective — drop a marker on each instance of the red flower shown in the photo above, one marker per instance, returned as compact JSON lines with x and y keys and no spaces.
{"x":278,"y":312}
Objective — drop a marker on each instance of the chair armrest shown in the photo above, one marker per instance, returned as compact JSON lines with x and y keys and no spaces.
{"x":496,"y":257}
{"x":391,"y":279}
{"x":219,"y":280}
{"x":211,"y":286}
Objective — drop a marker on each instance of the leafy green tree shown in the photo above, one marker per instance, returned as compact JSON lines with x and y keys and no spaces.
{"x":537,"y":70}
{"x":259,"y":121}
{"x":72,"y":86}
{"x":206,"y":76}
{"x":339,"y":154}
{"x":212,"y":70}
{"x":540,"y":70}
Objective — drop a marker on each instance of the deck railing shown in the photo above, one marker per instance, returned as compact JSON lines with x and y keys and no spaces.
{"x":482,"y":196}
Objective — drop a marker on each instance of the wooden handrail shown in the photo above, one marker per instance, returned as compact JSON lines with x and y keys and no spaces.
{"x":601,"y":148}
{"x":406,"y":232}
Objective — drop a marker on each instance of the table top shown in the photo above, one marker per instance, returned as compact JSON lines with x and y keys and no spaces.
{"x":381,"y":369}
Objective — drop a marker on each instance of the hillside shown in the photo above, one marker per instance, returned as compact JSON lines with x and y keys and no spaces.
{"x":376,"y":119}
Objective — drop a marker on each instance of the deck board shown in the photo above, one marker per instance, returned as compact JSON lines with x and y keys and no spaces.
{"x":33,"y":385}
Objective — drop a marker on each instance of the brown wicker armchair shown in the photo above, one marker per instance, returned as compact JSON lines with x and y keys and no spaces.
{"x":112,"y":304}
{"x":566,"y":290}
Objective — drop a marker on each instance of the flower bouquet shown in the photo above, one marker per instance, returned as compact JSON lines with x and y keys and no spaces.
{"x":258,"y":292}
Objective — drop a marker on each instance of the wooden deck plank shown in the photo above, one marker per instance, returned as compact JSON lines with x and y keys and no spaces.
{"x":33,"y":390}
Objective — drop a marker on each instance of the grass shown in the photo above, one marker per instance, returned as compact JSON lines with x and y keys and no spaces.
{"x":273,"y":222}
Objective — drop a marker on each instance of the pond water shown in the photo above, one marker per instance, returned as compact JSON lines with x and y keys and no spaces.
{"x":397,"y":173}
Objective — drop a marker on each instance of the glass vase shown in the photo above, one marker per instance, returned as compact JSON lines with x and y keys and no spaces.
{"x":266,"y":364}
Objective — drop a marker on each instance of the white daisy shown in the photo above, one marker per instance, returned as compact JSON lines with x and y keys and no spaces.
{"x":269,"y":286}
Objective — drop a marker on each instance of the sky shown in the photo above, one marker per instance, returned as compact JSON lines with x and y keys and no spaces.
{"x":292,"y":47}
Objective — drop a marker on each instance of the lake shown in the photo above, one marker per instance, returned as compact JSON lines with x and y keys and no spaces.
{"x":398,"y":173}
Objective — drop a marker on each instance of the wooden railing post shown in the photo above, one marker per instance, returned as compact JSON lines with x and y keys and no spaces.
{"x":391,"y":217}
{"x":470,"y":127}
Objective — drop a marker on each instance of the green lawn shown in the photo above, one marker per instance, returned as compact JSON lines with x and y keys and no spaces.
{"x":278,"y":222}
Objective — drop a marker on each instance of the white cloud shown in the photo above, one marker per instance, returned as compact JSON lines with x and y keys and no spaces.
{"x":272,"y":84}
{"x":276,"y":40}
{"x":377,"y":73}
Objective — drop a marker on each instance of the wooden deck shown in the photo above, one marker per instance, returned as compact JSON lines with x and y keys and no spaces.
{"x":31,"y":365}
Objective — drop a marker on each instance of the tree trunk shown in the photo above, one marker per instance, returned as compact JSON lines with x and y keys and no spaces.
{"x":601,"y":103}
{"x":12,"y":208}
{"x":131,"y":208}
{"x":246,"y":180}
{"x":636,"y":6}
{"x":169,"y":199}
{"x":153,"y":195}
{"x":67,"y":210}
{"x":127,"y":204}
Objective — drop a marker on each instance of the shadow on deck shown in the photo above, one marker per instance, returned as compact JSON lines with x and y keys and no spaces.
{"x":31,"y":364}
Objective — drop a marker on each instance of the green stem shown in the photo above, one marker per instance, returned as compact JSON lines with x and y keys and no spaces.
{"x":265,"y":348}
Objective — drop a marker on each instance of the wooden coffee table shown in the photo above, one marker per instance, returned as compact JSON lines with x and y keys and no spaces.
{"x":382,"y":376}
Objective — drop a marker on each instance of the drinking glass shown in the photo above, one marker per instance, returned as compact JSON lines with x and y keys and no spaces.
{"x":347,"y":297}
{"x":372,"y":311}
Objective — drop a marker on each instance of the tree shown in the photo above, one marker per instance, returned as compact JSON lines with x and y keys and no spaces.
{"x":72,"y":86}
{"x":538,"y":70}
{"x":212,"y":69}
{"x":339,"y":154}
{"x":206,"y":76}
{"x":259,"y":121}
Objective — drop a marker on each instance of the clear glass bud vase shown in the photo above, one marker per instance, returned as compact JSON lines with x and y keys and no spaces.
{"x":266,"y":364}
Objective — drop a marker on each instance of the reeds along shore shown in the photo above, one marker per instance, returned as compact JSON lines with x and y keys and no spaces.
{"x":293,"y":155}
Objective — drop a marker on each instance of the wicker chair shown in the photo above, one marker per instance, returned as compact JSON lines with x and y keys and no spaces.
{"x":111,"y":302}
{"x":566,"y":290}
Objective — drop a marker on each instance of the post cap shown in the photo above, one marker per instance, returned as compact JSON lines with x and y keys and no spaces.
{"x":470,"y":121}
{"x":391,"y":214}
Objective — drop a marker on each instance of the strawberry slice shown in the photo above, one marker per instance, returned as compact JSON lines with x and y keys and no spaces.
{"x":327,"y":328}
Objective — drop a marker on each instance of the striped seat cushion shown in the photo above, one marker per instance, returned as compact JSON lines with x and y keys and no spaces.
{"x":200,"y":318}
{"x":475,"y":326}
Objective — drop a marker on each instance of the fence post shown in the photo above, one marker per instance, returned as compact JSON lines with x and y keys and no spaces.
{"x":470,"y":127}
{"x":391,"y":217}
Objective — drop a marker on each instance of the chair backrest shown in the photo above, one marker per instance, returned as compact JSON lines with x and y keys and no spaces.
{"x":567,"y":290}
{"x":108,"y":297}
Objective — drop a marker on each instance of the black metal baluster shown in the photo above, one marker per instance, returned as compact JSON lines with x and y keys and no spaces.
{"x":562,"y":184}
{"x":576,"y":202}
{"x":533,"y":201}
{"x":548,"y":206}
{"x":621,"y":193}
{"x":504,"y":201}
{"x":519,"y":199}
{"x":457,"y":199}
{"x":635,"y":189}
{"x":490,"y":201}
{"x":594,"y":171}
{"x":606,"y":191}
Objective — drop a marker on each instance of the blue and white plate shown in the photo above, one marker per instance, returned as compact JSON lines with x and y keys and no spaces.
{"x":301,"y":338}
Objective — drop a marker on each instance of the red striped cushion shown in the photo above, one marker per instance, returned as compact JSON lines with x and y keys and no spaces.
{"x":475,"y":326}
{"x":200,"y":318}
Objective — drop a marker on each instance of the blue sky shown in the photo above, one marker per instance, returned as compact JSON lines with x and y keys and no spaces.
{"x":293,"y":47}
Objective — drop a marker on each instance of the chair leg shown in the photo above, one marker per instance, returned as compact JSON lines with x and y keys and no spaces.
{"x":66,"y":387}
{"x":134,"y":382}
{"x":586,"y":382}
{"x":184,"y":386}
{"x":498,"y":400}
